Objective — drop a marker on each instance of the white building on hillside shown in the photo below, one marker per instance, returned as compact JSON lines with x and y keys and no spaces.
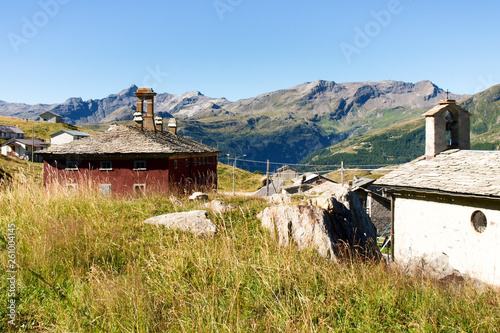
{"x":446,"y":204}
{"x":65,"y":136}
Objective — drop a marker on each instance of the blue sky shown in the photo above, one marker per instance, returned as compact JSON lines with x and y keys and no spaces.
{"x":55,"y":49}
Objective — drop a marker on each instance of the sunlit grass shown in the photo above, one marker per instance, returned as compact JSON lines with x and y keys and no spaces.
{"x":87,"y":263}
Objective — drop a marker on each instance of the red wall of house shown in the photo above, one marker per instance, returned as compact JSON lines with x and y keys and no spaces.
{"x":160,"y":175}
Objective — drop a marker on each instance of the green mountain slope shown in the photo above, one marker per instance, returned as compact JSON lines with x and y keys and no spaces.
{"x":403,"y":142}
{"x":396,"y":144}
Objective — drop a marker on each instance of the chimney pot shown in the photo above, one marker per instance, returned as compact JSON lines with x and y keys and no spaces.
{"x":172,"y":125}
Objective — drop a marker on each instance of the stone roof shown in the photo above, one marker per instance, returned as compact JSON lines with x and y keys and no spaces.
{"x":10,"y":129}
{"x":50,"y":113}
{"x":444,"y":105}
{"x":465,"y":172}
{"x":130,"y":140}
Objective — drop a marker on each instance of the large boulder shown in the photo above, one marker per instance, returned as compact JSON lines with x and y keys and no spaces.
{"x":194,"y":221}
{"x":353,"y":225}
{"x":218,"y":206}
{"x":198,"y":196}
{"x":306,"y":226}
{"x":332,"y":223}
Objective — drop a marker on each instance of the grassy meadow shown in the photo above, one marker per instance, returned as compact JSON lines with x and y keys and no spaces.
{"x":86,"y":263}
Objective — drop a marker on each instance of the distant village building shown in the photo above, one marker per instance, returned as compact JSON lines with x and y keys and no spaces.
{"x":446,"y":204}
{"x":304,"y":183}
{"x":9,"y":132}
{"x":132,"y":160}
{"x":65,"y":136}
{"x":286,"y":173}
{"x":22,"y":148}
{"x":50,"y":117}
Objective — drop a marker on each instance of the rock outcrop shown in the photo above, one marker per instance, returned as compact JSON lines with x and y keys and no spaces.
{"x":198,"y":196}
{"x":332,"y":224}
{"x":218,"y":206}
{"x":306,"y":226}
{"x":194,"y":221}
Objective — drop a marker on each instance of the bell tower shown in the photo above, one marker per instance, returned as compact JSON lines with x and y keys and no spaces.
{"x":447,"y":126}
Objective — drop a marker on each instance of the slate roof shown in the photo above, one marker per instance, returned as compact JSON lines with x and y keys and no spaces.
{"x":74,"y":133}
{"x":130,"y":140}
{"x":10,"y":129}
{"x":443,"y":105}
{"x":26,"y":142}
{"x":50,"y":113}
{"x":465,"y":172}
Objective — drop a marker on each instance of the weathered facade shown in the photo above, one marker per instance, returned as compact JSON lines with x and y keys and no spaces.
{"x":376,"y":203}
{"x":446,"y":204}
{"x":128,"y":160}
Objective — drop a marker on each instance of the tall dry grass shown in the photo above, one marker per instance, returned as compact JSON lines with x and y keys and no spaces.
{"x":87,"y":263}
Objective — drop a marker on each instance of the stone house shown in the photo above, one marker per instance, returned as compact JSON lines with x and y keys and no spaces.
{"x":10,"y":132}
{"x":376,"y":203}
{"x":65,"y":136}
{"x":286,"y":173}
{"x":50,"y":117}
{"x":132,"y":160}
{"x":446,"y":204}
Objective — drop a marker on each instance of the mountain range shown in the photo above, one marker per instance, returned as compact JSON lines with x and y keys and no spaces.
{"x":284,"y":125}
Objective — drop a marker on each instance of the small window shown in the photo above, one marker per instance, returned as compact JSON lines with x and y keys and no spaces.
{"x":71,"y":165}
{"x":105,"y":189}
{"x":175,"y":164}
{"x":194,"y":159}
{"x":187,"y":162}
{"x":139,"y":190}
{"x":478,"y":220}
{"x":140,"y":165}
{"x":106,"y":165}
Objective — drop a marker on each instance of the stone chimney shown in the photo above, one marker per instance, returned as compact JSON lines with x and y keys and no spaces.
{"x":172,"y":126}
{"x":145,"y":119}
{"x":159,"y":124}
{"x":447,"y":126}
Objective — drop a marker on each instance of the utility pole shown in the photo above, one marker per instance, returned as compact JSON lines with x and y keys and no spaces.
{"x":342,"y":172}
{"x":33,"y":144}
{"x":234,"y":167}
{"x":267,"y":179}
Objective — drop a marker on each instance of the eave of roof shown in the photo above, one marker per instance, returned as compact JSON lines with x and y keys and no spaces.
{"x":463,"y":172}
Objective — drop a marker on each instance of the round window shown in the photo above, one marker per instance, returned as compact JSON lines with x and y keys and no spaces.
{"x":478,"y":220}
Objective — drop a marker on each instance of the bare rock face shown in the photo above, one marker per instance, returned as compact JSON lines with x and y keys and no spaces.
{"x":194,"y":221}
{"x":307,"y":226}
{"x":279,"y":198}
{"x":352,"y":225}
{"x":328,"y":223}
{"x":218,"y":206}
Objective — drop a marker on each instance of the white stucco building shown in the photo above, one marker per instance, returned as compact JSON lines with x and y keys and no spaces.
{"x":65,"y":136}
{"x":446,"y":204}
{"x":22,"y":148}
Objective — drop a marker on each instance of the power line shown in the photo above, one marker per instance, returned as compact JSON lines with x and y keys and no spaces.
{"x":361,"y":166}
